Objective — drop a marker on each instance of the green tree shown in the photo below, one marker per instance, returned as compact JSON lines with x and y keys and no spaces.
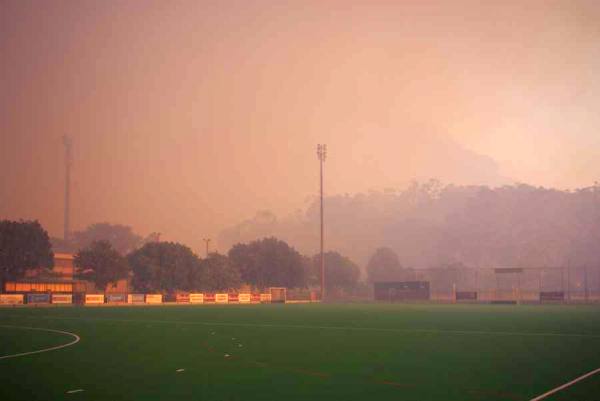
{"x":269,"y":263}
{"x":340,"y":271}
{"x":121,"y":237}
{"x":101,"y":264}
{"x":384,"y":265}
{"x":312,"y":275}
{"x":24,"y":245}
{"x":218,"y":274}
{"x":164,"y":267}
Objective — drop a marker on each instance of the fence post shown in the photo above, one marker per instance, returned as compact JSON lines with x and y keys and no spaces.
{"x":496,"y":287}
{"x":569,"y":283}
{"x":453,"y":292}
{"x":585,"y":284}
{"x":519,"y":287}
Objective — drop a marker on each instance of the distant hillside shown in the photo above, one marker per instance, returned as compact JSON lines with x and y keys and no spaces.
{"x":430,"y":225}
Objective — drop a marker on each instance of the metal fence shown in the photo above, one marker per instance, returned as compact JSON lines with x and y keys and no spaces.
{"x":577,"y":284}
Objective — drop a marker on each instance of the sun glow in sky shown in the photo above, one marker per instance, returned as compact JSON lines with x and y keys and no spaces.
{"x":187,"y":116}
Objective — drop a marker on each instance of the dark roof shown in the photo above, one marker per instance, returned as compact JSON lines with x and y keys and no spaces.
{"x":43,"y":280}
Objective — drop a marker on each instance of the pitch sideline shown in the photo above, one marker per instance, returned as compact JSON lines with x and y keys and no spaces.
{"x":564,"y":386}
{"x":350,"y":328}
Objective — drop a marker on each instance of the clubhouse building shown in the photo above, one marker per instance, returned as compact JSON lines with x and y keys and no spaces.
{"x":61,"y":279}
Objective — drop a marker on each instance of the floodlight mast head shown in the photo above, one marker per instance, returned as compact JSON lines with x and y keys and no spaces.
{"x":322,"y":152}
{"x":207,"y":241}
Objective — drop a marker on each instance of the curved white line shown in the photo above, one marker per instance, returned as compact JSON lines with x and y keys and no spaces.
{"x":569,"y":384}
{"x":77,"y":338}
{"x":538,"y":398}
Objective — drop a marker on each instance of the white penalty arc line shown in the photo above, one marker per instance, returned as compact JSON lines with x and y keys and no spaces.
{"x":431,"y":331}
{"x":75,"y":341}
{"x":564,"y":386}
{"x":341,"y":328}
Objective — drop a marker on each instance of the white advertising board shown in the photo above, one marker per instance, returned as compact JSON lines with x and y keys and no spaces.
{"x":196,"y":298}
{"x":154,"y":298}
{"x":221,"y":298}
{"x":62,"y":298}
{"x":11,"y":299}
{"x":94,"y":298}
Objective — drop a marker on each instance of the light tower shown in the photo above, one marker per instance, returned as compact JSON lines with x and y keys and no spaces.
{"x":322,"y":155}
{"x":67,"y":143}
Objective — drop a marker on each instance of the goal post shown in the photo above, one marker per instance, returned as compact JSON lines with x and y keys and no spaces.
{"x":278,"y":294}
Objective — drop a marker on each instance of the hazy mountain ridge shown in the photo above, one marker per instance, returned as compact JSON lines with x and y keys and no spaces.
{"x":431,"y":224}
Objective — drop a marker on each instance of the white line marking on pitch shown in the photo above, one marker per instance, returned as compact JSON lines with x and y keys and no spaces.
{"x":77,"y":338}
{"x":564,"y":386}
{"x":79,"y":390}
{"x":349,"y":328}
{"x":180,"y":370}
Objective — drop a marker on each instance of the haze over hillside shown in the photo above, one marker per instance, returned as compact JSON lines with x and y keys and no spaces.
{"x":187,"y":117}
{"x":435,"y":225}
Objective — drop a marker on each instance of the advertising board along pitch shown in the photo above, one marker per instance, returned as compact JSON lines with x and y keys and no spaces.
{"x":182,"y":298}
{"x":11,"y":299}
{"x":135,"y":298}
{"x":116,"y":298}
{"x":244,"y":298}
{"x":221,"y":298}
{"x":196,"y":298}
{"x":552,"y":296}
{"x":38,"y":298}
{"x":94,"y":299}
{"x":62,"y":298}
{"x":466,"y":295}
{"x":154,"y":298}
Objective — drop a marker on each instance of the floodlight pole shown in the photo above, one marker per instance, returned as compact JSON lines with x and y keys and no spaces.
{"x":207,"y":241}
{"x":67,"y":143}
{"x":322,"y":155}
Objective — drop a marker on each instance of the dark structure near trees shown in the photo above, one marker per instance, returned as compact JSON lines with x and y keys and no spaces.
{"x":392,"y":291}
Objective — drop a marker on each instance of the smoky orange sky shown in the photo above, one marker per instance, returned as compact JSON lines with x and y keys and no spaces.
{"x":188,"y":116}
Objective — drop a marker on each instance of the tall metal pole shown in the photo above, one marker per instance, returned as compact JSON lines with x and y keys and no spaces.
{"x":207,"y":241}
{"x":67,"y":144}
{"x":322,"y":154}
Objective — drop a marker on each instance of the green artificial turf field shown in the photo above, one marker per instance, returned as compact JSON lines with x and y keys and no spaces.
{"x":302,"y":352}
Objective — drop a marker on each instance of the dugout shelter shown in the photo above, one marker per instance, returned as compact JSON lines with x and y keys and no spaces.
{"x":397,"y":291}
